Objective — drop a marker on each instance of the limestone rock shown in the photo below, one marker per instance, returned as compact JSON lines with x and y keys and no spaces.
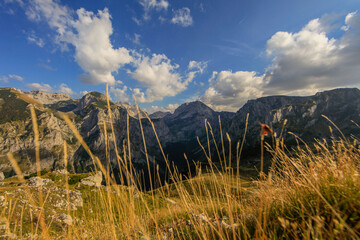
{"x":93,"y":181}
{"x":64,"y":218}
{"x":47,"y":98}
{"x":38,"y":182}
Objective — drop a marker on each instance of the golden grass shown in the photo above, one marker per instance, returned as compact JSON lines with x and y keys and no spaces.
{"x":308,"y":193}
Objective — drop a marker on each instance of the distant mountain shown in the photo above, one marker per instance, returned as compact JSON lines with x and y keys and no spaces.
{"x":177,"y":132}
{"x":158,"y":114}
{"x":132,"y":111}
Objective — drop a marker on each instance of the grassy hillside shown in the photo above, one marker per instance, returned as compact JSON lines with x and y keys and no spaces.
{"x":13,"y":105}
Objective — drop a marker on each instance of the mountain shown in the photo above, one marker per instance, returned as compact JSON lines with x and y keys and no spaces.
{"x":177,"y":132}
{"x":158,"y":114}
{"x":303,"y":117}
{"x":16,"y":133}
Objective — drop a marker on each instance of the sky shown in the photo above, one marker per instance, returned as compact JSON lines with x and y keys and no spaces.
{"x":167,"y":52}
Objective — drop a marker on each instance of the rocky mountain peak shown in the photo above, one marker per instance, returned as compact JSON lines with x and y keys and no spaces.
{"x":89,"y":98}
{"x":131,"y":110}
{"x":192,"y":108}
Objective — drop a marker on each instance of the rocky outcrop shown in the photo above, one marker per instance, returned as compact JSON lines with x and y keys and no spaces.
{"x":93,"y":181}
{"x":39,"y":182}
{"x":47,"y":98}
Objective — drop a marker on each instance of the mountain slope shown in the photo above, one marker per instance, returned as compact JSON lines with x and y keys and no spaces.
{"x":177,"y":132}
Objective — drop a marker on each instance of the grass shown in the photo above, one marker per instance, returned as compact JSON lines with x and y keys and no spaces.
{"x":310,"y":192}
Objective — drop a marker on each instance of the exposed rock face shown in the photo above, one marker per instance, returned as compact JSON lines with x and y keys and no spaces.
{"x":38,"y":182}
{"x":48,"y":98}
{"x":159,"y":114}
{"x":131,"y":110}
{"x":16,"y":133}
{"x":93,"y":181}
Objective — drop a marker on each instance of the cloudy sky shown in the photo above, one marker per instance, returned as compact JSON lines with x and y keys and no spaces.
{"x":167,"y":52}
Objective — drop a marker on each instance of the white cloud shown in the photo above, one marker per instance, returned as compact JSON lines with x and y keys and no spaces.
{"x":89,"y":33}
{"x":47,"y":67}
{"x":150,"y":5}
{"x":16,"y":77}
{"x":20,"y":2}
{"x":94,"y":51}
{"x":310,"y":59}
{"x":231,"y":90}
{"x":169,"y":108}
{"x":159,"y":76}
{"x":120,"y":94}
{"x":190,"y":76}
{"x":4,"y":79}
{"x":135,"y":39}
{"x":302,"y":63}
{"x":35,"y":39}
{"x":199,"y":66}
{"x":182,"y":17}
{"x":137,"y":21}
{"x":213,"y":76}
{"x":84,"y":92}
{"x":63,"y":88}
{"x":40,"y":87}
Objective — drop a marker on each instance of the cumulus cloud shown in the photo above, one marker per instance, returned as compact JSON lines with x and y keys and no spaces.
{"x":302,"y":63}
{"x":169,"y":108}
{"x":40,"y":87}
{"x":150,"y":5}
{"x":182,"y":17}
{"x":63,"y":88}
{"x":230,"y":90}
{"x":89,"y":33}
{"x":199,"y":66}
{"x":120,"y":94}
{"x":159,"y":76}
{"x":310,"y":59}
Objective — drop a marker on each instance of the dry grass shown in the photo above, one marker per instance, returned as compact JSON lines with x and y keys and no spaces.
{"x":308,"y":193}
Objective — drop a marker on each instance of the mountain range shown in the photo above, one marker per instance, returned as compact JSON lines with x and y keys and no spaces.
{"x":177,"y":132}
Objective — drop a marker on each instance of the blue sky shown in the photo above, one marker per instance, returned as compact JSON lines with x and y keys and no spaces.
{"x":168,"y":52}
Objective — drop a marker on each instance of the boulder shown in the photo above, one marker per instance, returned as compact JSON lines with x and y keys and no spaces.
{"x":93,"y":181}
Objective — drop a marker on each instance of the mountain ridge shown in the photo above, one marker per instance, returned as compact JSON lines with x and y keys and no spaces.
{"x":177,"y":132}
